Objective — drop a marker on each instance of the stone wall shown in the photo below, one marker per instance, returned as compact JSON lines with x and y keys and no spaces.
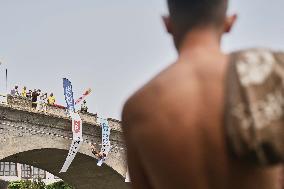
{"x":89,"y":118}
{"x":29,"y":136}
{"x":21,"y":103}
{"x":23,"y":144}
{"x":55,"y":120}
{"x":114,"y":124}
{"x":18,"y":101}
{"x":56,"y":111}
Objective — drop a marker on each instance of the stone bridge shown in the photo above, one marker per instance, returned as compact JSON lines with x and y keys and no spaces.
{"x":42,"y":140}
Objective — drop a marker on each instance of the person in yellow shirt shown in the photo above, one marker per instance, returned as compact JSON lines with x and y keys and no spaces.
{"x":24,"y":92}
{"x":51,"y":99}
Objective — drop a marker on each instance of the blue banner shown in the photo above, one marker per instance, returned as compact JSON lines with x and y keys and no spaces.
{"x":68,"y":93}
{"x":105,"y":141}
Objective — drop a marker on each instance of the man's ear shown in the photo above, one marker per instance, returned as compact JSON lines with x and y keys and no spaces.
{"x":229,"y":23}
{"x":168,"y":24}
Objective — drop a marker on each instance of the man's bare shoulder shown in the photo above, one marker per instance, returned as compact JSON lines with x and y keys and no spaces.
{"x":169,"y":93}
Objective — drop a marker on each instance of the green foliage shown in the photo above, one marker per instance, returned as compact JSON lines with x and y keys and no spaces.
{"x":27,"y":184}
{"x":14,"y":185}
{"x":59,"y":185}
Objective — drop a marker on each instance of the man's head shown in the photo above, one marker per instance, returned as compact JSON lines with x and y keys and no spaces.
{"x":188,"y":15}
{"x":16,"y":87}
{"x":51,"y":94}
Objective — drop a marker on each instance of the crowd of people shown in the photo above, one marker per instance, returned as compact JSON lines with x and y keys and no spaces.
{"x":40,"y":99}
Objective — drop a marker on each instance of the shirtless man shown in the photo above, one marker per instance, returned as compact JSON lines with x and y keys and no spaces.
{"x":174,"y":125}
{"x":99,"y":155}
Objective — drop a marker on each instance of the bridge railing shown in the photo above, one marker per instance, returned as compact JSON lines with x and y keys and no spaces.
{"x":58,"y":111}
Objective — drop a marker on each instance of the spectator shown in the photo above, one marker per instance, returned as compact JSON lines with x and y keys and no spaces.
{"x":24,"y":92}
{"x":29,"y":94}
{"x":35,"y":94}
{"x":15,"y":91}
{"x":84,"y":108}
{"x":51,"y":99}
{"x":42,"y":102}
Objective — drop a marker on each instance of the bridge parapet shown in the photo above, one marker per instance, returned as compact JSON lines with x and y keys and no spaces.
{"x":24,"y":104}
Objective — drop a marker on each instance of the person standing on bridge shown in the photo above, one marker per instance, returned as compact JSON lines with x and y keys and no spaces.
{"x":15,"y":91}
{"x":51,"y":99}
{"x":29,"y":95}
{"x":24,"y":92}
{"x":84,"y":107}
{"x":35,"y":95}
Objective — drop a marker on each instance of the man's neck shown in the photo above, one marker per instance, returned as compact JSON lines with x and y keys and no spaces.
{"x":200,"y":41}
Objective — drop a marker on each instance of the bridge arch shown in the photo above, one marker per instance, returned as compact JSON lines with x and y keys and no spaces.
{"x":43,"y":140}
{"x":48,"y":153}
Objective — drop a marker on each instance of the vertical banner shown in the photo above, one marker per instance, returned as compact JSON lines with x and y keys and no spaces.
{"x":76,"y":142}
{"x":105,"y":140}
{"x":76,"y":125}
{"x":68,"y":93}
{"x":6,"y":80}
{"x":86,"y":93}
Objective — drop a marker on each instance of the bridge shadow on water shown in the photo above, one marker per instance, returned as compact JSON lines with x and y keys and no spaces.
{"x":83,"y":173}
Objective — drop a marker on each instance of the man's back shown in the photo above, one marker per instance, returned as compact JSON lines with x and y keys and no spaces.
{"x":178,"y":131}
{"x":175,"y":127}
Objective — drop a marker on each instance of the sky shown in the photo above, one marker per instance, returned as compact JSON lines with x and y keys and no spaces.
{"x":112,"y":47}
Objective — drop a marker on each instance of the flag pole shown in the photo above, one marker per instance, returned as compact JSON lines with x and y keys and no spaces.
{"x":6,"y":81}
{"x":6,"y":78}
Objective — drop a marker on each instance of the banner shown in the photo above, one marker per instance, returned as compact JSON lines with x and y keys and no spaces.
{"x":68,"y":93}
{"x":76,"y":142}
{"x":76,"y":125}
{"x":86,"y":93}
{"x":105,"y":140}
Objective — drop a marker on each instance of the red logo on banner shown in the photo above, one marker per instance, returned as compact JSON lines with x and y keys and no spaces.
{"x":77,"y":126}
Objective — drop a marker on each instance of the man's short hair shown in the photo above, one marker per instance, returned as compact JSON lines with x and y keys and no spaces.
{"x":189,"y":14}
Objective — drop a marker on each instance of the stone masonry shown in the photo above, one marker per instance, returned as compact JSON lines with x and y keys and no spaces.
{"x":43,"y":140}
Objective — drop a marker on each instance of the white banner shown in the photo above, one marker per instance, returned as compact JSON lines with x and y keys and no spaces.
{"x":76,"y":142}
{"x":105,"y":140}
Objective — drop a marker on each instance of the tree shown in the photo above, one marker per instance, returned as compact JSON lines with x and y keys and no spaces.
{"x":27,"y":184}
{"x":59,"y":185}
